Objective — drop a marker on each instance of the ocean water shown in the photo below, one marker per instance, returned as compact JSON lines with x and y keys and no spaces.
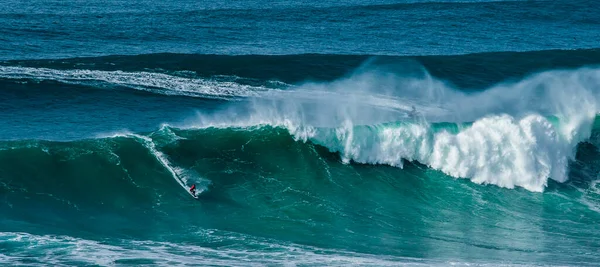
{"x":319,"y":133}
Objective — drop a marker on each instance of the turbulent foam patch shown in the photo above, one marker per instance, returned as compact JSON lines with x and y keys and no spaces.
{"x":59,"y":250}
{"x":146,"y":81}
{"x":499,"y":150}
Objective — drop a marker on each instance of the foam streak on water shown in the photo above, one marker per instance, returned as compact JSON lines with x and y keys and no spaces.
{"x":69,"y":250}
{"x":158,"y":83}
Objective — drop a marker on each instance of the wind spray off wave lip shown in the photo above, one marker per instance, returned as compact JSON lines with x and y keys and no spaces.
{"x":511,"y":139}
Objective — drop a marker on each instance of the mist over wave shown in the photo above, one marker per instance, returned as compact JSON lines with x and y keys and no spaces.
{"x":519,"y":133}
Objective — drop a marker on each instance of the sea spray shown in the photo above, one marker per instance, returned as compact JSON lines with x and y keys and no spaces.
{"x":505,"y":138}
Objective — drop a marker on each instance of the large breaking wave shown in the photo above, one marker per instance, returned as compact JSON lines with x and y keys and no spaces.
{"x":516,"y":133}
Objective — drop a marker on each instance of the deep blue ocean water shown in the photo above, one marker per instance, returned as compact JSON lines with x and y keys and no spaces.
{"x":337,"y":133}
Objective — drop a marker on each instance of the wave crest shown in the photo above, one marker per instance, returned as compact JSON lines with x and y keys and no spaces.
{"x":512,"y":134}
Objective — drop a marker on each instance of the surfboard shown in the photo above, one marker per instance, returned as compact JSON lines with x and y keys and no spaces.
{"x":188,"y":190}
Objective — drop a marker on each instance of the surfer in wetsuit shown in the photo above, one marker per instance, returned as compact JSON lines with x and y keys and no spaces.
{"x":193,"y":190}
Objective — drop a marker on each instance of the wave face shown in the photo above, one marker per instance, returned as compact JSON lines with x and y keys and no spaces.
{"x":363,"y":160}
{"x":123,"y":188}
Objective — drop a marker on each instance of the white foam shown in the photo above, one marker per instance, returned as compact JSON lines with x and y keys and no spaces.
{"x":146,"y":81}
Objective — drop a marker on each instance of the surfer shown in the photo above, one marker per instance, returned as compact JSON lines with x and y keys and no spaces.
{"x":193,"y":190}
